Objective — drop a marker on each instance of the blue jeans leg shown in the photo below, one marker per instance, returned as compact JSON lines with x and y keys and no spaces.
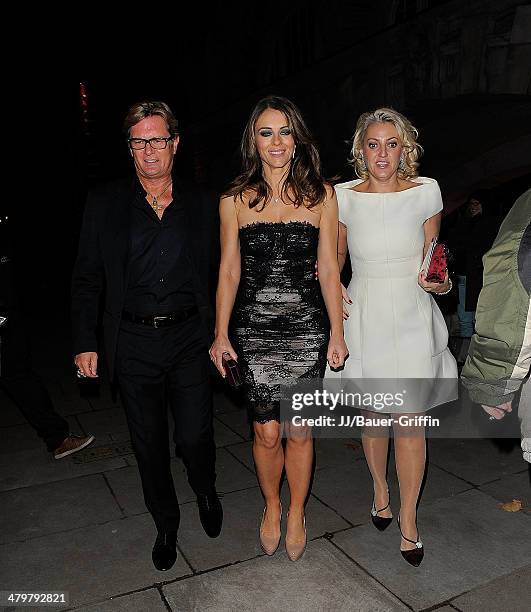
{"x":466,"y":317}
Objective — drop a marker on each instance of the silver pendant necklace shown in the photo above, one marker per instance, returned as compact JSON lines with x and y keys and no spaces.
{"x":154,"y":203}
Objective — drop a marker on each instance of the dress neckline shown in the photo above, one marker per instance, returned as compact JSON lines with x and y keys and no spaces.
{"x":388,"y":192}
{"x":421,"y":181}
{"x":282,"y":223}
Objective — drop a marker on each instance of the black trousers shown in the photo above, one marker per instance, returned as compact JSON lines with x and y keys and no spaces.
{"x":156,"y":368}
{"x":21,"y":383}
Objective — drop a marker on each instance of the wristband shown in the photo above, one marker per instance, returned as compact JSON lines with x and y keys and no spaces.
{"x":448,"y":290}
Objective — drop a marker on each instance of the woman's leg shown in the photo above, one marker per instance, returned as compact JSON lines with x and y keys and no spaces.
{"x":269,"y":461}
{"x":410,"y":458}
{"x":298,"y":463}
{"x":375,"y":441}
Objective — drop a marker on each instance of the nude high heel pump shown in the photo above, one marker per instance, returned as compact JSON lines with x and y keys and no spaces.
{"x":269,"y":544}
{"x":296,"y":550}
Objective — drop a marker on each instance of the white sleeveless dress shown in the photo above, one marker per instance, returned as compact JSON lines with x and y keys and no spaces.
{"x":395,"y":328}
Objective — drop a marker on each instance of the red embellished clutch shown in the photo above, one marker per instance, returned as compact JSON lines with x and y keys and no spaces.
{"x":435,"y":263}
{"x":438,"y":265}
{"x":232,"y":370}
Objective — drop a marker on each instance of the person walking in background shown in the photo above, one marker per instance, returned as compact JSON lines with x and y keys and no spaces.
{"x":18,"y":378}
{"x":149,"y":242}
{"x":468,"y":241}
{"x":277,"y":218}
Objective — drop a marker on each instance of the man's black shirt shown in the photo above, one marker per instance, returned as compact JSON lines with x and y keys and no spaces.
{"x":159,"y":266}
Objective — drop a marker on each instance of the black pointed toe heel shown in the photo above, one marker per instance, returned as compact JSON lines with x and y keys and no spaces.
{"x":380,"y":522}
{"x":413,"y":557}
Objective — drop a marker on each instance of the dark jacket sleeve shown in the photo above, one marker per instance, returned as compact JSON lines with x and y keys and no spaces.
{"x":87,"y":282}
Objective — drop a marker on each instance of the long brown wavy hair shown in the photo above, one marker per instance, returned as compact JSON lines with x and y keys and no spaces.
{"x":304,"y":182}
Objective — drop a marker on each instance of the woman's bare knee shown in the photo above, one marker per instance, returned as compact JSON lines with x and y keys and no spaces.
{"x":374,"y":431}
{"x":267,"y":435}
{"x":406,"y":428}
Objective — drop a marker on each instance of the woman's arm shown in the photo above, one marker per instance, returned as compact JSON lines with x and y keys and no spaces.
{"x":342,"y":246}
{"x":327,"y":255}
{"x":431,"y":230}
{"x":228,"y":281}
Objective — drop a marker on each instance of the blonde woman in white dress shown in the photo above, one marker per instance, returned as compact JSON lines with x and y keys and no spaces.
{"x":393,"y":327}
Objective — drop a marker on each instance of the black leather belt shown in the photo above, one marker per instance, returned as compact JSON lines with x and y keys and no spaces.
{"x":163,"y":320}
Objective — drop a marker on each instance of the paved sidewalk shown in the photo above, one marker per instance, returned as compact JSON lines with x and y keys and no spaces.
{"x":79,"y":524}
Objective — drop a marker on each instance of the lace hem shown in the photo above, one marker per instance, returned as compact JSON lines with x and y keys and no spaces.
{"x":264,"y":413}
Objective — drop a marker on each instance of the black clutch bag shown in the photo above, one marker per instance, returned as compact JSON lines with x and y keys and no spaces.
{"x":232,"y":370}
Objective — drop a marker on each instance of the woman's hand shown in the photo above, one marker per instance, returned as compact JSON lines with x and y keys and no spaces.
{"x":337,"y":352}
{"x":434,"y":287}
{"x":221,"y":345}
{"x":346,"y":300}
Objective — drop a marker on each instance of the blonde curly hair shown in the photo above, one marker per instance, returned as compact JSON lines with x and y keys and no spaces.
{"x":407,"y":133}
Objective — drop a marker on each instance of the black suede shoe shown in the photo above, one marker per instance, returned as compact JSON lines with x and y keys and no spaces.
{"x":381,"y":522}
{"x":165,"y":550}
{"x":210,"y":513}
{"x":413,"y":557}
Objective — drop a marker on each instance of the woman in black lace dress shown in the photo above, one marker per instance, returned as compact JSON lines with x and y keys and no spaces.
{"x":277,"y":218}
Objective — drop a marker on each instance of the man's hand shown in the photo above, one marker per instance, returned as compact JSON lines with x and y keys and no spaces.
{"x":498,"y":412}
{"x":87,"y":364}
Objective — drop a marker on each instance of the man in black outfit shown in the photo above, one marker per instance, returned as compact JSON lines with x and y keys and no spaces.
{"x":18,"y":379}
{"x":150,"y":241}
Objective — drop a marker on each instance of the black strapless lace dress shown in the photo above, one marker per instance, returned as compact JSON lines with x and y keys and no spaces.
{"x":280,"y":327}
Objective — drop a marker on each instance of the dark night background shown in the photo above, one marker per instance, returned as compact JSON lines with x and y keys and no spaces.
{"x":461,"y":71}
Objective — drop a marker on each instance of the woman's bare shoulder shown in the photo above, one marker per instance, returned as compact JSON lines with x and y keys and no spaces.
{"x":237,"y":200}
{"x":330,"y":191}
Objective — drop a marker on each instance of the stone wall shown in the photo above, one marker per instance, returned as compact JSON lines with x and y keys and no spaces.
{"x":460,"y":70}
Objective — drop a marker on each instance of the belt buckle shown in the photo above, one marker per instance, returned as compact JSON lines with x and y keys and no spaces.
{"x":156,"y":320}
